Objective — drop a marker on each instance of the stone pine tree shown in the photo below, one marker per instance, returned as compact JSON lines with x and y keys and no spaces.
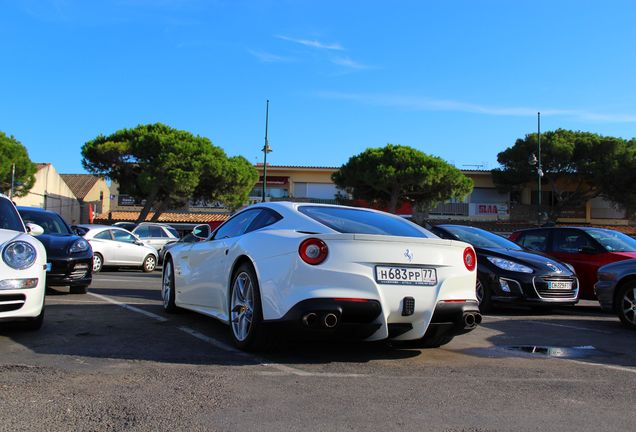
{"x":577,"y":166}
{"x":13,"y":153}
{"x":394,"y":174}
{"x":154,"y":162}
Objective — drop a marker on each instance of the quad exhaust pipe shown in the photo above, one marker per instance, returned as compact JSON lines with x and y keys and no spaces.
{"x":328,"y":320}
{"x":471,"y":320}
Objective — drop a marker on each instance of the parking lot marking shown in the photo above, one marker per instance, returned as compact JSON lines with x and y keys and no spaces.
{"x":499,"y":318}
{"x":604,"y":366}
{"x":129,"y":307}
{"x":210,"y":340}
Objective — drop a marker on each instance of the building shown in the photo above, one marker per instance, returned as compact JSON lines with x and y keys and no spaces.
{"x":92,"y":192}
{"x":51,"y":192}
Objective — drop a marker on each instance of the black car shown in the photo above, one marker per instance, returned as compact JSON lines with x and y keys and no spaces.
{"x":69,"y":256}
{"x":507,"y":273}
{"x":616,"y":290}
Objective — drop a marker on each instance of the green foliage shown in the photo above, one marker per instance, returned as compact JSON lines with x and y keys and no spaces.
{"x":577,"y":166}
{"x":13,"y":152}
{"x":398,"y":173}
{"x":155,"y":162}
{"x":231,"y":183}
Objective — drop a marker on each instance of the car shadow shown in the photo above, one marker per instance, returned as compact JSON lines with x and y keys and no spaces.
{"x":108,"y":332}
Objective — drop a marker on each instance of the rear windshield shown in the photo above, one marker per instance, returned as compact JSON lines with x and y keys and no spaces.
{"x":9,"y":217}
{"x":359,"y":221}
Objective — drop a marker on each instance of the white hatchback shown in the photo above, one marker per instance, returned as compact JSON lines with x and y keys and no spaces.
{"x":22,"y":269}
{"x":118,"y":247}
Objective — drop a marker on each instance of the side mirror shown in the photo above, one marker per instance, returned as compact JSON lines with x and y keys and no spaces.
{"x":201,"y":232}
{"x":34,"y":229}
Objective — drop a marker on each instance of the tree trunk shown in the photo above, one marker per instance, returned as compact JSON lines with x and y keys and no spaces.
{"x":160,"y":209}
{"x":149,"y":202}
{"x":420,"y":213}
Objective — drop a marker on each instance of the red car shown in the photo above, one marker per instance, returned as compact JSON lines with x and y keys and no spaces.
{"x":586,"y":249}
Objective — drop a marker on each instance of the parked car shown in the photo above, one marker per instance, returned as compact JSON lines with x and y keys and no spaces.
{"x":199,"y":233}
{"x":506,"y":273}
{"x":616,"y":290}
{"x":70,"y":257}
{"x":22,"y":269}
{"x":117,"y":247}
{"x":325,"y":271}
{"x":156,"y":235}
{"x":126,"y":225}
{"x":585,"y":248}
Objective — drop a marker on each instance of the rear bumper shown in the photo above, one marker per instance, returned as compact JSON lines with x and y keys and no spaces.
{"x":337,"y":318}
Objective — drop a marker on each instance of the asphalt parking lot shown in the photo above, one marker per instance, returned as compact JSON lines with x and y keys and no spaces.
{"x":113,"y":360}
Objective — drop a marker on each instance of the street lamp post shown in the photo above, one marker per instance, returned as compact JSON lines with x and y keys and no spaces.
{"x":266,"y":149}
{"x":534,"y":160}
{"x":539,"y":171}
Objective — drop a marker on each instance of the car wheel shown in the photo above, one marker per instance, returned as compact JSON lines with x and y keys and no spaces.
{"x":98,"y":263}
{"x":168,"y":288}
{"x":626,"y":304}
{"x":150,"y":262}
{"x":246,"y":315}
{"x":80,"y":289}
{"x":483,"y":297}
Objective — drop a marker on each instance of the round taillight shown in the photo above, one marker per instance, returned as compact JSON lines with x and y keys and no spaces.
{"x":470,"y":259}
{"x":313,"y":251}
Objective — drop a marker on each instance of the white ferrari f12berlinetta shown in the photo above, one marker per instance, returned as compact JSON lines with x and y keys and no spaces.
{"x":325,"y":271}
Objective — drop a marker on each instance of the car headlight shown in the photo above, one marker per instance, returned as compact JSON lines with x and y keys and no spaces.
{"x":80,"y":245}
{"x":509,"y":265}
{"x":569,"y":266}
{"x":19,"y":255}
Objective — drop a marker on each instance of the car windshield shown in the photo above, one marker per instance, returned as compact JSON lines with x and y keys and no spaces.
{"x":359,"y":221}
{"x":173,"y":231}
{"x":51,"y":223}
{"x":9,"y":217}
{"x":481,"y":238}
{"x":613,"y":241}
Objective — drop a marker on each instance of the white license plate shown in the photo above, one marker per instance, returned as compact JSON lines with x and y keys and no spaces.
{"x":559,"y":285}
{"x":405,"y":275}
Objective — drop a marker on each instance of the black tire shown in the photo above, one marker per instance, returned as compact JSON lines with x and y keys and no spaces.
{"x":32,"y":324}
{"x":79,"y":289}
{"x":168,"y":288}
{"x":149,"y":264}
{"x":484,"y":297}
{"x":625,"y":304}
{"x":246,"y":312}
{"x":98,"y":262}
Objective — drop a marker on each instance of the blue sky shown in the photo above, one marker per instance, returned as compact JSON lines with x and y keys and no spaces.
{"x":457,"y":79}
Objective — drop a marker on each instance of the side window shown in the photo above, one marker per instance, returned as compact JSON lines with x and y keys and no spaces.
{"x":104,"y":235}
{"x":570,"y":241}
{"x":122,"y":236}
{"x":156,"y":231}
{"x":534,"y":240}
{"x":142,"y":232}
{"x":237,"y":225}
{"x":266,"y":218}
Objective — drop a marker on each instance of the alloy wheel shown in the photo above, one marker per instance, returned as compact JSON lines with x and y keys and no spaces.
{"x":166,"y":285}
{"x":629,"y":306}
{"x":242,"y":306}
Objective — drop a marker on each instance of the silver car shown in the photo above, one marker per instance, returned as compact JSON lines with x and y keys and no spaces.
{"x":156,"y":235}
{"x":118,"y":247}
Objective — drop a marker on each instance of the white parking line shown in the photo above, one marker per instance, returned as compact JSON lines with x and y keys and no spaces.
{"x":498,"y":318}
{"x":130,"y":308}
{"x":211,"y":341}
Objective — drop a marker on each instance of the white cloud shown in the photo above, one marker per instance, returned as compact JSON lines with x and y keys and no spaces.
{"x":312,"y":43}
{"x":266,"y":57}
{"x":430,"y":104}
{"x":348,"y":63}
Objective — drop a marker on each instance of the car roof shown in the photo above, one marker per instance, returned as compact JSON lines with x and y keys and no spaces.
{"x":36,"y":209}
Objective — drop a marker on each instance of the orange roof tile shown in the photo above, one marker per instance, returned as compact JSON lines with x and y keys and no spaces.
{"x":166,"y":217}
